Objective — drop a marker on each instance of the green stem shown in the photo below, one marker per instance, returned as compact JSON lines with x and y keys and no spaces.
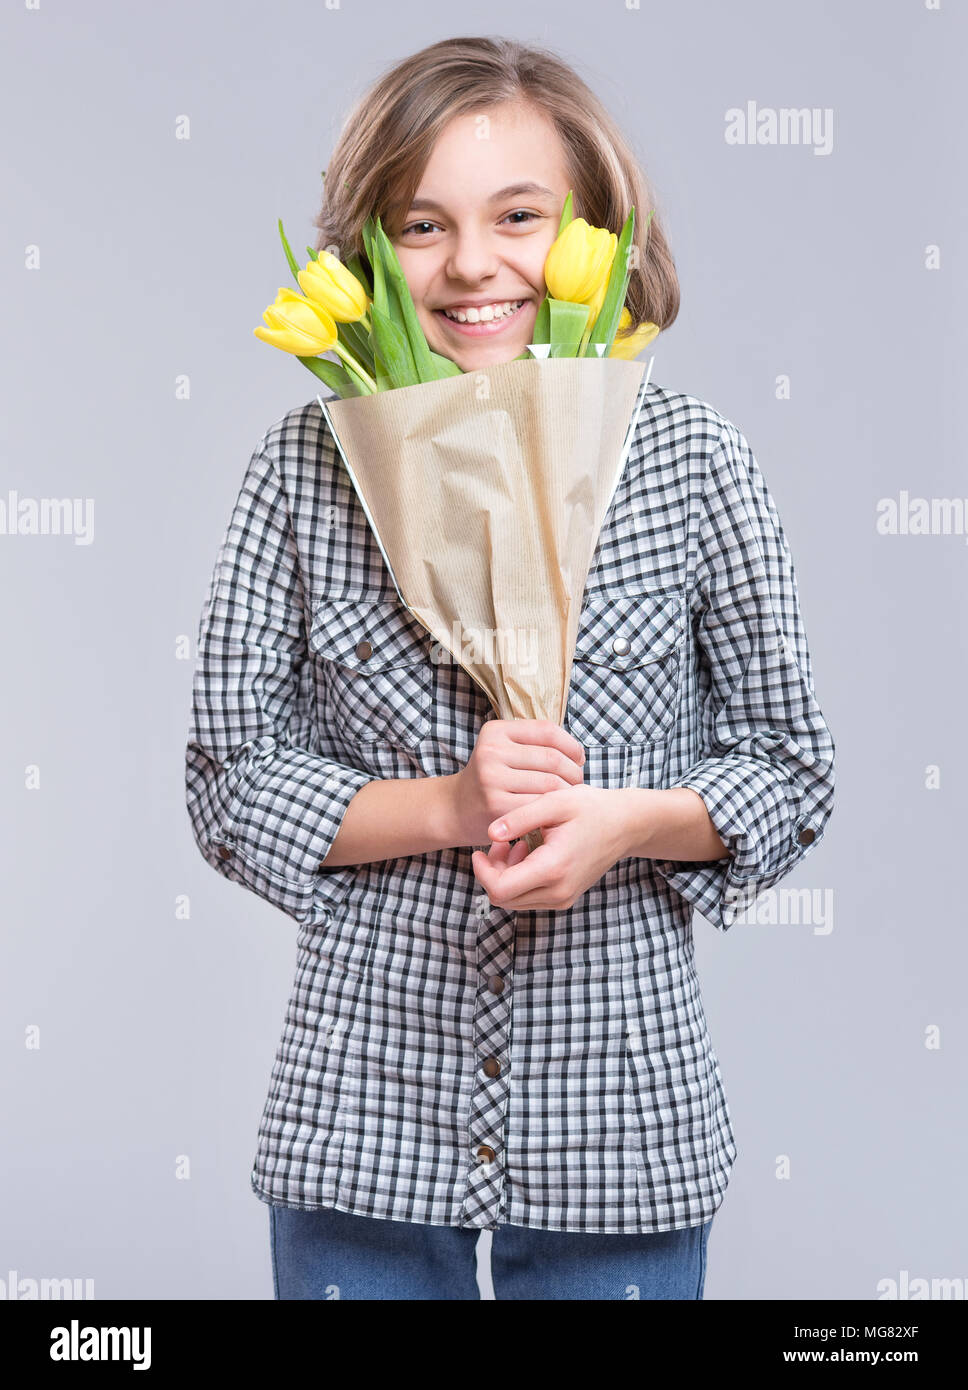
{"x":365,"y":321}
{"x":351,"y":361}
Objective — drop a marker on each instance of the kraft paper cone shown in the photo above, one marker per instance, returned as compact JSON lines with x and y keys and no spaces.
{"x":486,"y":493}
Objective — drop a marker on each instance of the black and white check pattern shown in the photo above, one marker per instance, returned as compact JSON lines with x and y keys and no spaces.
{"x":607,"y":1110}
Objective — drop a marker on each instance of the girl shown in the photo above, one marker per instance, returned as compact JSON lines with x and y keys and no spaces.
{"x":500,"y":1040}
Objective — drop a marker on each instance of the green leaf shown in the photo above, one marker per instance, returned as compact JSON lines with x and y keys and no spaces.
{"x":567,"y":325}
{"x":355,"y":337}
{"x":366,"y":234}
{"x":335,"y":377}
{"x":289,"y":256}
{"x":606,"y":325}
{"x":542,"y":322}
{"x":394,"y":348}
{"x":383,"y":380}
{"x":403,"y":304}
{"x":611,"y":310}
{"x":445,"y":367}
{"x":566,"y":217}
{"x":362,"y":388}
{"x":390,"y":340}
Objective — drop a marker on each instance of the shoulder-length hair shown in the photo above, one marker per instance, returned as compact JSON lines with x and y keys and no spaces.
{"x":387,"y":138}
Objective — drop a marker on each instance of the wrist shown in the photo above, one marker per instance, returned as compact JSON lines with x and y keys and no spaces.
{"x":446,"y":819}
{"x":669,"y":823}
{"x":638,"y":818}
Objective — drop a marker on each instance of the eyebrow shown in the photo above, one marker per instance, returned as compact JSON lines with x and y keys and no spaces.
{"x":513,"y":190}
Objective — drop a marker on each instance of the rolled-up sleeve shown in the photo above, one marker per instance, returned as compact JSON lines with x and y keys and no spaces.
{"x":767,"y":771}
{"x":264,"y":808}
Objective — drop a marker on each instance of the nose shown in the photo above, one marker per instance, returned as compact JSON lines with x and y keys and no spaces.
{"x":472,"y":257}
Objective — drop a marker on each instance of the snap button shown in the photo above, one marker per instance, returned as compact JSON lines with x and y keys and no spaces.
{"x":225,"y":852}
{"x":486,"y":1154}
{"x":491,"y":1066}
{"x":495,"y":984}
{"x":807,"y":837}
{"x":363,"y":650}
{"x":621,"y":646}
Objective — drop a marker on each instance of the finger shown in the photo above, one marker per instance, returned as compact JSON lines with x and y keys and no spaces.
{"x":515,"y":852}
{"x":535,"y":782}
{"x":487,"y":867}
{"x":540,"y":759}
{"x":530,"y":902}
{"x":544,"y":731}
{"x":534,"y":874}
{"x":543,"y":811}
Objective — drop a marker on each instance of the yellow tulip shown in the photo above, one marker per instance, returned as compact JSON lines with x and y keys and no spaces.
{"x":633,"y":343}
{"x":328,"y":283}
{"x":578,"y":265}
{"x":595,"y":307}
{"x":297,"y":325}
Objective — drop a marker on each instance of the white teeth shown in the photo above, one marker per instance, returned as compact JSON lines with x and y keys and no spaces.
{"x":485,"y":313}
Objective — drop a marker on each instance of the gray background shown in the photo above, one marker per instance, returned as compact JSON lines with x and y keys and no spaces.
{"x":157,"y":257}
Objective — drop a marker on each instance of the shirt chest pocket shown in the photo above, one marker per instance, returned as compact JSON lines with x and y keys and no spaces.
{"x":376,"y":671}
{"x":626,"y":673}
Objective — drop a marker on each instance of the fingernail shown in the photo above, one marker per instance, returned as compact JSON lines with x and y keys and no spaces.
{"x":500,"y":828}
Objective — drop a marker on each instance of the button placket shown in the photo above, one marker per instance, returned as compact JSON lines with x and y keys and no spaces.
{"x":484,"y":1194}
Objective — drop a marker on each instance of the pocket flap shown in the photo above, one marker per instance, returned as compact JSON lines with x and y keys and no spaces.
{"x":368,"y":635}
{"x":628,"y":630}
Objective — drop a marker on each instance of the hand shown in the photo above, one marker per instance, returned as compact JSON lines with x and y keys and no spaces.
{"x":514,"y":761}
{"x":585,"y":832}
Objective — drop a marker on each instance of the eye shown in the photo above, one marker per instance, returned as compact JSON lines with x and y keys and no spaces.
{"x":521,"y":212}
{"x":413,"y":225}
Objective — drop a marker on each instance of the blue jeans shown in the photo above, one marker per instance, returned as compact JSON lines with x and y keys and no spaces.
{"x":332,"y":1254}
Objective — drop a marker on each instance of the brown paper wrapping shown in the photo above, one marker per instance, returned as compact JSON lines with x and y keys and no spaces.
{"x":487,"y":493}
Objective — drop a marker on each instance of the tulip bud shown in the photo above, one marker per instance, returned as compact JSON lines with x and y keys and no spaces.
{"x":329,"y":284}
{"x":578,"y":265}
{"x":296,"y":325}
{"x":631,"y":344}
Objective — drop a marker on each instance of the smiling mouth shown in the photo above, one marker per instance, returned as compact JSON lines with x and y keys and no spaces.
{"x":482,"y":327}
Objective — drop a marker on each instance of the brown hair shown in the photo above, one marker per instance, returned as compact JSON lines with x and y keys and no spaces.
{"x":386,"y":142}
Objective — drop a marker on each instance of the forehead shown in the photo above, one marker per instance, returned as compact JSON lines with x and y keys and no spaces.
{"x":481,"y":151}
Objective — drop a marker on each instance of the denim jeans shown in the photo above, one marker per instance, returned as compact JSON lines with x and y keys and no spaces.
{"x":332,"y":1254}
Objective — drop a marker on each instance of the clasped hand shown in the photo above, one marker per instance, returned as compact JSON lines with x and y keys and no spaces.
{"x":526,"y":774}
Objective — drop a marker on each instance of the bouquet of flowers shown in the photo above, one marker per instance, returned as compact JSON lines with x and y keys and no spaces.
{"x":486,"y":490}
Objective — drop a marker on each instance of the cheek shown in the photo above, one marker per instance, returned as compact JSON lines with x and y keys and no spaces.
{"x":531,"y":266}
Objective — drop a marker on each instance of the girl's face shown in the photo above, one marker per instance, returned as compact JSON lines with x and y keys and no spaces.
{"x":477,"y":233}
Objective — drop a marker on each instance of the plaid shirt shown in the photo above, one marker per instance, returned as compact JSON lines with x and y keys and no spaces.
{"x":443,"y":1060}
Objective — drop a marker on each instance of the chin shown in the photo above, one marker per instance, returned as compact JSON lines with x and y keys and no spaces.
{"x":485,"y":355}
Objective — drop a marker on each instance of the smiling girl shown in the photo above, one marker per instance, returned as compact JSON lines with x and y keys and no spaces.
{"x":474,"y":245}
{"x":501,"y":1040}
